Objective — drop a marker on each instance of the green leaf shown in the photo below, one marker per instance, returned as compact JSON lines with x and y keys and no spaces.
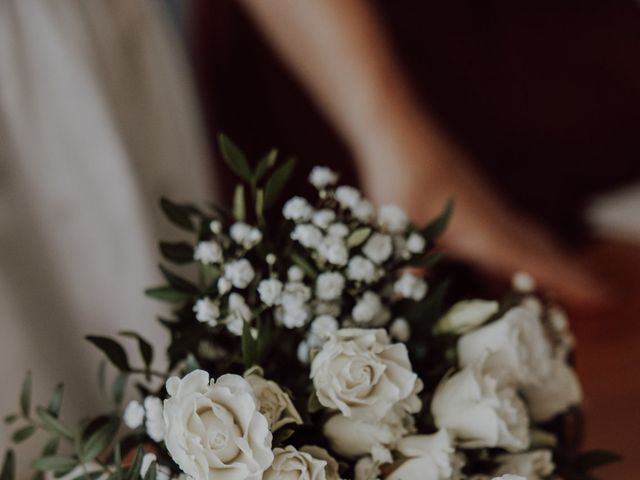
{"x":151,"y":471}
{"x":25,"y":395}
{"x":145,"y":348}
{"x":136,"y":465}
{"x":234,"y":157}
{"x":358,"y":237}
{"x":53,"y":425}
{"x":9,"y":419}
{"x":167,"y":294}
{"x":117,"y":461}
{"x":437,"y":226}
{"x":118,"y":388}
{"x":51,"y":446}
{"x":304,"y":265}
{"x":249,"y":346}
{"x":277,"y":182}
{"x":178,"y":214}
{"x":8,"y":466}
{"x":595,"y":458}
{"x":100,"y":440}
{"x":54,"y":463}
{"x":260,"y":203}
{"x":239,"y":207}
{"x":177,"y":252}
{"x":23,"y":433}
{"x":313,"y":404}
{"x":113,"y":350}
{"x":265,"y":163}
{"x":55,"y":402}
{"x":178,"y":282}
{"x":191,"y":363}
{"x":428,"y":260}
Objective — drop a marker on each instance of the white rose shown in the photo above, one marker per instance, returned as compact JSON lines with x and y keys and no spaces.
{"x":348,"y":197}
{"x":466,"y":315}
{"x":245,"y":235}
{"x":361,"y":269}
{"x":393,"y":218}
{"x":214,"y":429}
{"x":361,"y":374}
{"x":329,"y":285}
{"x":366,"y":469}
{"x":207,"y":311}
{"x":410,"y":286}
{"x":270,"y":291}
{"x":292,"y":464}
{"x":154,"y":423}
{"x":322,"y":177}
{"x":555,"y":393}
{"x":334,"y":251}
{"x":480,"y":412}
{"x":428,"y":457}
{"x":307,"y":235}
{"x":323,"y":218}
{"x":522,"y":351}
{"x":536,"y":465}
{"x":354,"y":438}
{"x":239,"y":272}
{"x":366,"y":308}
{"x":415,"y":243}
{"x":133,"y":415}
{"x":208,"y":252}
{"x":297,"y":209}
{"x":378,"y":248}
{"x":363,"y":211}
{"x":400,"y":330}
{"x":273,"y":402}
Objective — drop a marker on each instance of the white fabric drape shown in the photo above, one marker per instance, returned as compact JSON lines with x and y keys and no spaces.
{"x":96,"y":122}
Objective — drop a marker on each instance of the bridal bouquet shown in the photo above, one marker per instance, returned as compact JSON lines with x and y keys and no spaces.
{"x":316,"y":342}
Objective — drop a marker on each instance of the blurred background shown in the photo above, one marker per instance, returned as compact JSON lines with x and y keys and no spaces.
{"x":528,"y":114}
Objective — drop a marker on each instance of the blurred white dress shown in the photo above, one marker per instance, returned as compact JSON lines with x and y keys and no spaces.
{"x":97,"y":120}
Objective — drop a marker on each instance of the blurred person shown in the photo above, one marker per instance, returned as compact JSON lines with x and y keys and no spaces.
{"x":508,"y":108}
{"x":97,"y":121}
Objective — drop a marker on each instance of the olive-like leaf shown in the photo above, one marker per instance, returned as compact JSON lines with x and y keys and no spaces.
{"x":277,"y":182}
{"x":25,"y":395}
{"x":145,"y":348}
{"x":113,"y":350}
{"x":53,"y":425}
{"x":265,"y":163}
{"x":55,"y":402}
{"x":177,"y":252}
{"x":438,"y":225}
{"x":8,"y":466}
{"x":239,"y":206}
{"x":234,"y":157}
{"x":178,"y":214}
{"x":54,"y":463}
{"x":23,"y":433}
{"x":167,"y":294}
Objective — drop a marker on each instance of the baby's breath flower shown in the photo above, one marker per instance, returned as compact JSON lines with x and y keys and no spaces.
{"x":363,"y":211}
{"x":322,"y":177}
{"x":410,"y":286}
{"x":270,"y":291}
{"x":154,"y":423}
{"x":133,"y":414}
{"x":361,"y":269}
{"x":207,"y":311}
{"x":239,"y":313}
{"x":329,"y":285}
{"x":208,"y":252}
{"x":307,"y":235}
{"x":324,"y":218}
{"x":334,"y":251}
{"x":303,"y":352}
{"x":297,"y":209}
{"x":400,"y":330}
{"x":338,"y":230}
{"x":224,"y":285}
{"x":245,"y":235}
{"x":239,"y":272}
{"x":367,"y":307}
{"x":215,"y":226}
{"x":348,"y":197}
{"x":323,"y":326}
{"x":393,"y":218}
{"x":416,"y":243}
{"x":295,"y":274}
{"x":378,"y":247}
{"x":523,"y":282}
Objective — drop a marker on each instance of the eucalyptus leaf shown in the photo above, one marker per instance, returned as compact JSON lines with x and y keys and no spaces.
{"x":437,"y":226}
{"x":239,"y":207}
{"x":25,"y":395}
{"x":167,"y":294}
{"x":23,"y":433}
{"x":53,"y":425}
{"x":177,"y":252}
{"x":55,"y":463}
{"x":113,"y":350}
{"x":179,"y":215}
{"x":8,"y":466}
{"x":55,"y":402}
{"x":234,"y":157}
{"x":276,"y":182}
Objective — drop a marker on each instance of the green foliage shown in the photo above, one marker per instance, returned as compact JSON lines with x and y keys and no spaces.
{"x":113,"y":350}
{"x":234,"y":157}
{"x":358,"y":237}
{"x":134,"y":470}
{"x":100,"y":439}
{"x":8,"y":466}
{"x":438,"y":226}
{"x":167,"y":294}
{"x":276,"y":182}
{"x":177,"y":252}
{"x":179,"y":214}
{"x":55,"y":464}
{"x":55,"y":401}
{"x":239,"y":205}
{"x":145,"y":348}
{"x":53,"y":425}
{"x":23,"y":433}
{"x":25,"y":395}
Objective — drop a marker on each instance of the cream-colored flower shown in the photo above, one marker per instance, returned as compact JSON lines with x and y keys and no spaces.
{"x":273,"y":402}
{"x":292,"y":464}
{"x":361,"y":374}
{"x":214,"y":429}
{"x":536,"y":465}
{"x":480,"y":412}
{"x":428,"y":457}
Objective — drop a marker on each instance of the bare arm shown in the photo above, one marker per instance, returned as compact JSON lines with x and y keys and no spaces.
{"x":339,"y":50}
